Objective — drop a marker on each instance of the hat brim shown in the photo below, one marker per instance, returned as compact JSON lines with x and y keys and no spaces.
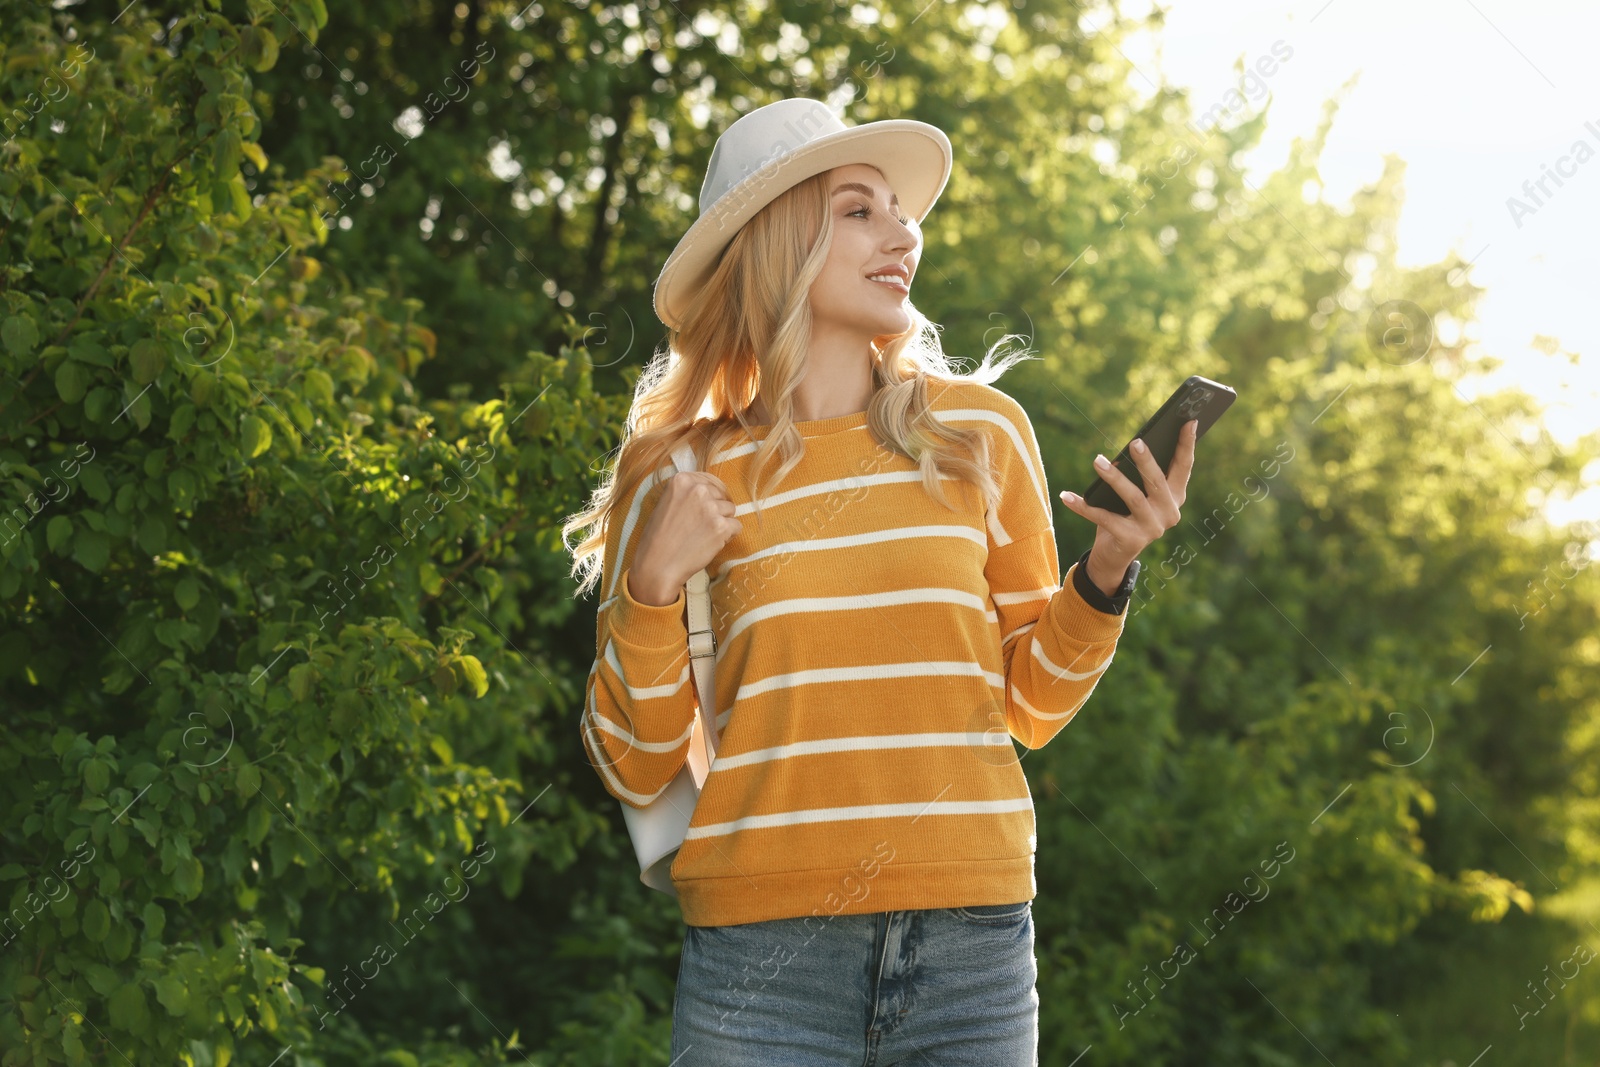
{"x":914,"y":157}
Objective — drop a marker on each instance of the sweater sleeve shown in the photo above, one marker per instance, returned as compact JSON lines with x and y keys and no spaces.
{"x":639,"y":702}
{"x":1055,"y":645}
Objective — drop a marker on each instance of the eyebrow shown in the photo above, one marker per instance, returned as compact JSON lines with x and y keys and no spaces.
{"x":857,"y":187}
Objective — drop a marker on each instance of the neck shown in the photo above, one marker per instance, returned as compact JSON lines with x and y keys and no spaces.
{"x":838,"y":381}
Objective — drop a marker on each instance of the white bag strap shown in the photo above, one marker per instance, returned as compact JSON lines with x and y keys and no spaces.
{"x":702,"y":641}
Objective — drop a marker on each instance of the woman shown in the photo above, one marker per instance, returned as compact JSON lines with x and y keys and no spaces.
{"x":888,"y":612}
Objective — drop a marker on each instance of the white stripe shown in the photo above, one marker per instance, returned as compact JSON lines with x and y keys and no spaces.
{"x":823,"y":675}
{"x":1064,"y":673}
{"x":852,"y":540}
{"x":732,"y":452}
{"x":632,"y":742}
{"x":1023,"y":455}
{"x":1044,"y":592}
{"x":854,"y":602}
{"x":915,"y":809}
{"x":997,"y":531}
{"x":735,"y":451}
{"x":1018,"y":632}
{"x":831,"y":745}
{"x":870,"y":673}
{"x":851,"y":483}
{"x":602,"y":761}
{"x":591,"y":709}
{"x":645,"y":485}
{"x":1049,"y":716}
{"x":649,"y":691}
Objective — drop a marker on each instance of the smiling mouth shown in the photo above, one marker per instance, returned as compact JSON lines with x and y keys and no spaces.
{"x":897,"y":285}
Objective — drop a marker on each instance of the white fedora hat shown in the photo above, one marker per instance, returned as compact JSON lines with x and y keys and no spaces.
{"x":771,"y":149}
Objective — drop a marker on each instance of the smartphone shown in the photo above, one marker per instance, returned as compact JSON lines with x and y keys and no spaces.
{"x":1198,"y":398}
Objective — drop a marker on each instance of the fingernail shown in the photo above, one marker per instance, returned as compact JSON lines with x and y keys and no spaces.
{"x":1102,"y":462}
{"x":1138,"y":446}
{"x":1069,"y":496}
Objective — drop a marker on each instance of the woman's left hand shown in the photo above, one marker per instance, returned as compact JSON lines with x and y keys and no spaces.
{"x":1120,"y":538}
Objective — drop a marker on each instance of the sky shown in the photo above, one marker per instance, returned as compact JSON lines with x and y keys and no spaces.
{"x":1478,"y":97}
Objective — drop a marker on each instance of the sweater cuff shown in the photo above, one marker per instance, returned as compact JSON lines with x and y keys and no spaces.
{"x":648,"y":625}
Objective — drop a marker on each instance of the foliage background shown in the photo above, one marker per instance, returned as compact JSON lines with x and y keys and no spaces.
{"x":314,"y":325}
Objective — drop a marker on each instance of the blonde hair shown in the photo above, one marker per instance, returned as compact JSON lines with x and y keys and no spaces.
{"x":750,"y":324}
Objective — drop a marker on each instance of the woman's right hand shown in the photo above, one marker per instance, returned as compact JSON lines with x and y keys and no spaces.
{"x":691,"y":522}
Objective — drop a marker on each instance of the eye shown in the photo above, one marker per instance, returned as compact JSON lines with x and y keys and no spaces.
{"x":866,"y":212}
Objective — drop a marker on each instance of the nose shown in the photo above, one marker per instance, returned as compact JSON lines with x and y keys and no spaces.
{"x":901,"y":235}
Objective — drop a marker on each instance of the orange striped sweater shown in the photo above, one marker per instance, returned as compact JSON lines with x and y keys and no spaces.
{"x":875,"y":654}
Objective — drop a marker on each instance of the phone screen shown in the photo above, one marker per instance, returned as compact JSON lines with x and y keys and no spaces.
{"x":1197,"y":398}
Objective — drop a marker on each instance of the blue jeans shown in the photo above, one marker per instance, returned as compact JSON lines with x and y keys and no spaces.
{"x":937,"y":987}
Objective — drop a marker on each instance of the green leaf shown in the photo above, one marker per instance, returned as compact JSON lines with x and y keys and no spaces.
{"x":429,"y":578}
{"x":473,"y":674}
{"x":181,"y":487}
{"x":247,"y":781}
{"x":240,"y":197}
{"x":444,"y":679}
{"x":137,"y":402}
{"x":96,"y":920}
{"x":187,"y":593}
{"x":153,"y":534}
{"x":226,"y":152}
{"x":302,"y":677}
{"x":100,"y":402}
{"x":182,"y":419}
{"x":154,"y":919}
{"x":88,"y":349}
{"x":72,"y":380}
{"x":102,"y":979}
{"x":11,"y":871}
{"x":129,"y":1012}
{"x":251,"y":150}
{"x":57,"y":533}
{"x":119,"y":943}
{"x":147,"y":359}
{"x":319,"y":386}
{"x":92,"y":549}
{"x":255,"y":436}
{"x":173,"y":993}
{"x":72,"y":1044}
{"x":188,"y":878}
{"x":94,"y":483}
{"x":305,"y":17}
{"x":260,"y":48}
{"x":96,"y":775}
{"x":257,"y":824}
{"x":20,"y":335}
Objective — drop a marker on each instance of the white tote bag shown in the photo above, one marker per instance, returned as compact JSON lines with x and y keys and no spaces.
{"x":658,"y":828}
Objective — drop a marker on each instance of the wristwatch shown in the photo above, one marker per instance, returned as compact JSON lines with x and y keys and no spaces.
{"x":1117,"y":602}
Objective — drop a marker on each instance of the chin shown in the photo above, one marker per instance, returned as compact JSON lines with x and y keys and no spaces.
{"x":893,"y":326}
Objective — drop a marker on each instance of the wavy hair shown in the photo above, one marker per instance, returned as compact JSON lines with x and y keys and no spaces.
{"x":750,"y":324}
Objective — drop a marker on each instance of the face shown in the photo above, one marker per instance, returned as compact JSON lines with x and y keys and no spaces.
{"x":871,"y":236}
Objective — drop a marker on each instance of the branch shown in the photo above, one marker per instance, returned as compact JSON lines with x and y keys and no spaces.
{"x":470,"y":560}
{"x":144,"y":210}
